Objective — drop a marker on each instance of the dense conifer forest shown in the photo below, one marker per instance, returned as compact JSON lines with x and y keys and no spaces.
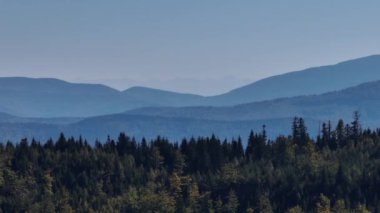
{"x":339,"y":171}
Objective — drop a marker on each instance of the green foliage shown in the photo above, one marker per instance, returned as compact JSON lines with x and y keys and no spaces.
{"x":296,"y":209}
{"x":340,"y":207}
{"x":232,"y":202}
{"x":323,"y":205}
{"x":264,"y":205}
{"x":339,"y":172}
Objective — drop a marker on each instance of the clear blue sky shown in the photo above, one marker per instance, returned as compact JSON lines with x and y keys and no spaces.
{"x":197,"y":46}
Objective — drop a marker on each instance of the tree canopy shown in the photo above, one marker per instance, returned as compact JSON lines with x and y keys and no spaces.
{"x":339,"y":171}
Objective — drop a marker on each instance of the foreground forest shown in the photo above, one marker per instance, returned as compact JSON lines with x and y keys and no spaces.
{"x":339,"y":171}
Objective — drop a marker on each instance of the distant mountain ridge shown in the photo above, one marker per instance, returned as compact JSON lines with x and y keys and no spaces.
{"x":46,"y":97}
{"x":162,"y":97}
{"x":176,"y":123}
{"x":311,"y":81}
{"x":364,"y":98}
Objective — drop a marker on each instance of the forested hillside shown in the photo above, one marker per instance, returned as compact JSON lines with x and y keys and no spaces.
{"x":338,"y":171}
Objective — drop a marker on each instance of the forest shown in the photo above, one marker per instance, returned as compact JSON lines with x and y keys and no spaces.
{"x":338,"y":171}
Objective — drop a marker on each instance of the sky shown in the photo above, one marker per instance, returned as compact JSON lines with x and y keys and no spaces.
{"x":205,"y":47}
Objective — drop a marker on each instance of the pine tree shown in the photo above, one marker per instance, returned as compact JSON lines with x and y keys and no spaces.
{"x":356,"y":127}
{"x":340,"y":207}
{"x":232,"y":202}
{"x":300,"y":135}
{"x":264,"y":204}
{"x":323,"y":205}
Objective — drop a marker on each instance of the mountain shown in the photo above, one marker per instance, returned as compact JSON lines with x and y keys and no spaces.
{"x":364,"y":98}
{"x":5,"y":117}
{"x":174,"y":129}
{"x":312,"y":81}
{"x":163,"y":98}
{"x":46,"y":97}
{"x":139,"y":126}
{"x":178,"y":122}
{"x":10,"y":119}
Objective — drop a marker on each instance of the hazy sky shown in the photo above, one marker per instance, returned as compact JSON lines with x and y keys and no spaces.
{"x":197,"y":46}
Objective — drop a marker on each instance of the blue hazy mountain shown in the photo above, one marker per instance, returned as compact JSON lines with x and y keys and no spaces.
{"x":310,"y":81}
{"x":139,"y":126}
{"x":54,"y":98}
{"x":46,"y":97}
{"x":7,"y":118}
{"x":156,"y":97}
{"x":364,"y":98}
{"x":178,"y":122}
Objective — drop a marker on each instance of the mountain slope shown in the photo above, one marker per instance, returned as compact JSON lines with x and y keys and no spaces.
{"x":176,"y":123}
{"x":334,"y":105}
{"x":46,"y":97}
{"x":162,"y":98}
{"x":149,"y":127}
{"x":54,"y":98}
{"x":310,"y":81}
